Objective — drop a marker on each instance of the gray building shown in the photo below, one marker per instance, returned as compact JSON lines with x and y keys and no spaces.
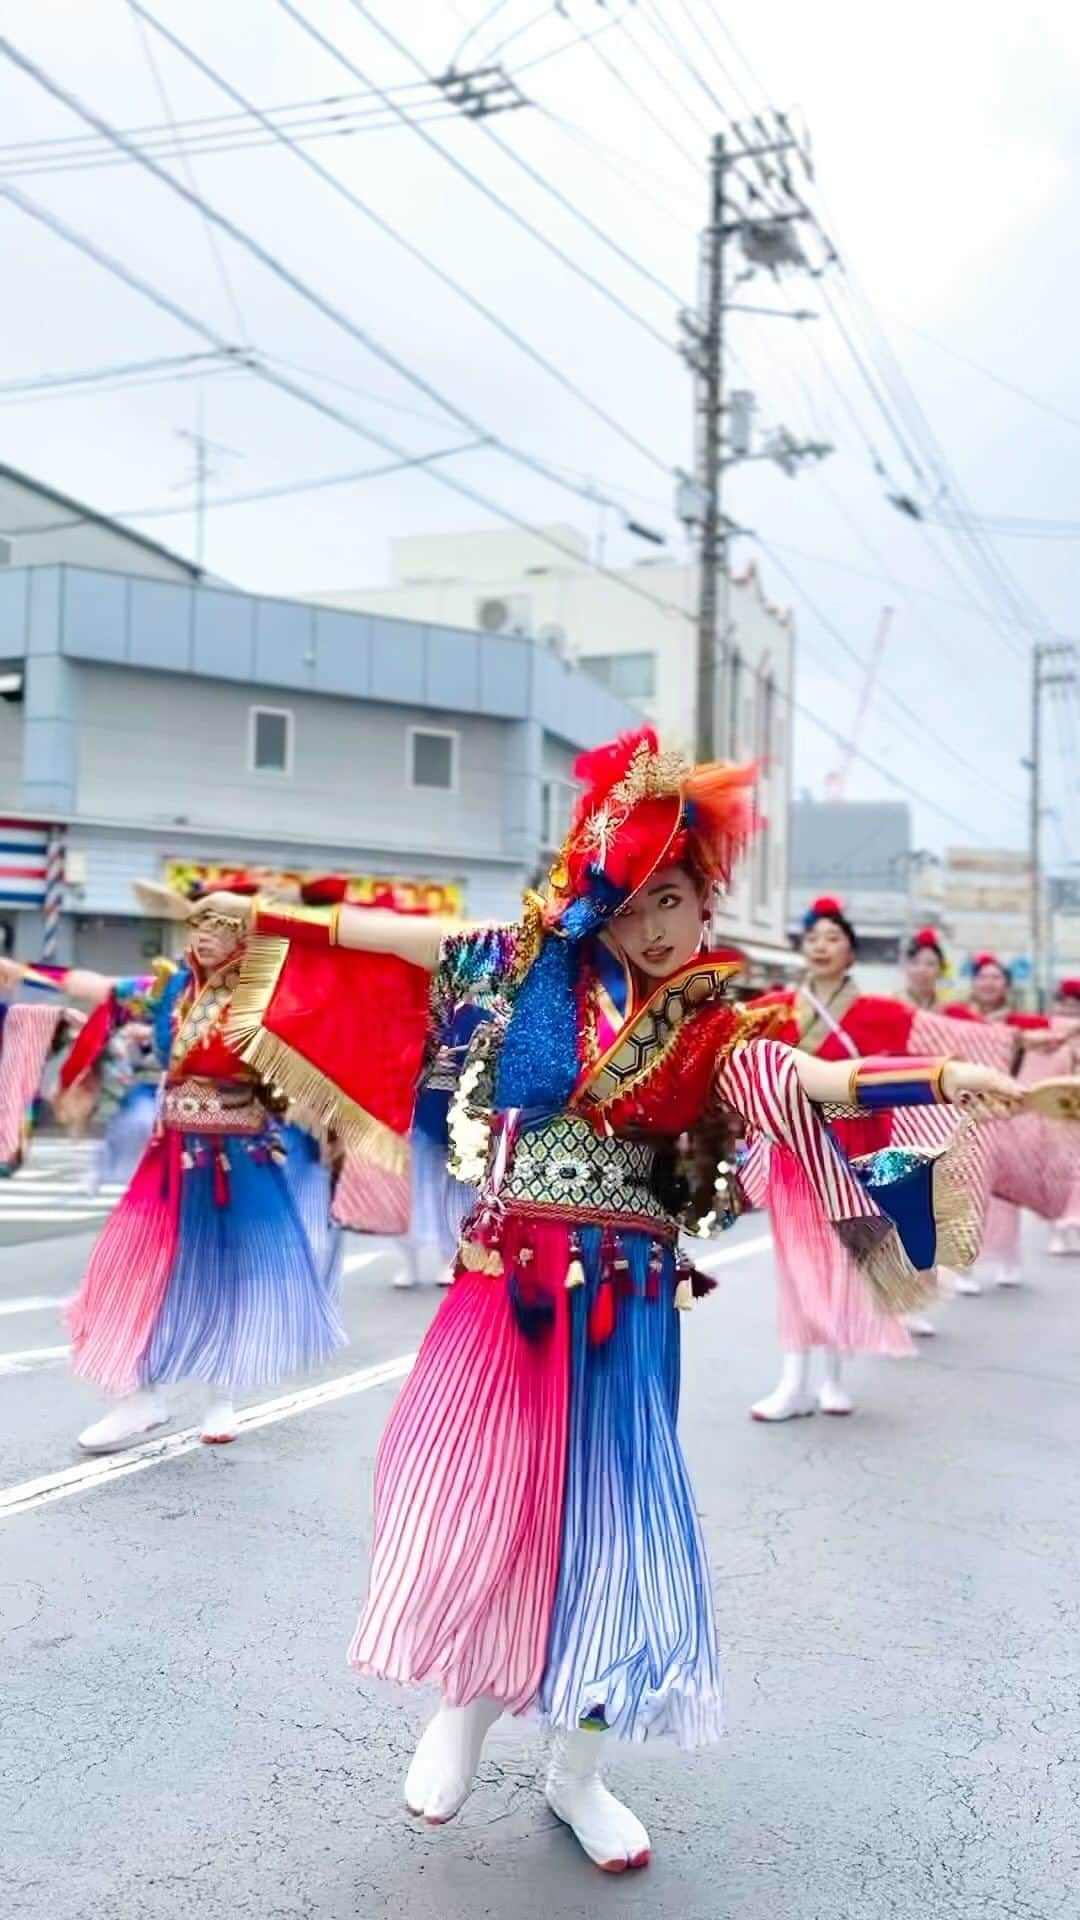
{"x":860,"y":852}
{"x":159,"y":723}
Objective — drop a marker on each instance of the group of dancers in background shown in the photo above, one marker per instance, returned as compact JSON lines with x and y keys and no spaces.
{"x":553,"y":1103}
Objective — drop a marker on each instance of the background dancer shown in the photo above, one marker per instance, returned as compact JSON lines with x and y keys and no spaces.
{"x":819,"y":1300}
{"x":220,"y":1263}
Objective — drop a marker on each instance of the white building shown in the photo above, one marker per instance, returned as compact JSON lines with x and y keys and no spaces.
{"x":634,"y":633}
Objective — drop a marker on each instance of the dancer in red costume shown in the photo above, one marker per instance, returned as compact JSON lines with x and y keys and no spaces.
{"x":820,"y":1303}
{"x":924,"y":964}
{"x":1065,"y":1234}
{"x":1034,"y":1164}
{"x":536,"y":1541}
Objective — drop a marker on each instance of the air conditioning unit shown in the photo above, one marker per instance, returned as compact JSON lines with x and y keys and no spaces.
{"x":509,"y":613}
{"x":7,"y":552}
{"x":553,"y":637}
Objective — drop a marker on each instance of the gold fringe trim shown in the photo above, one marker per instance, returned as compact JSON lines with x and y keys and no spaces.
{"x":260,"y":971}
{"x":895,"y":1283}
{"x":956,"y":1203}
{"x":313,"y":1098}
{"x":320,"y":1106}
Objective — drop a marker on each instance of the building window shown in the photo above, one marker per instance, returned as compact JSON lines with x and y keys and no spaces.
{"x":734,"y":705}
{"x":630,"y":676}
{"x":556,"y":807}
{"x":270,"y":740}
{"x":762,"y":857}
{"x":433,"y":758}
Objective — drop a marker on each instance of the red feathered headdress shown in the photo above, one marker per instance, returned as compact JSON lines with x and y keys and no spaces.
{"x":641,"y":809}
{"x":323,"y":890}
{"x":981,"y":960}
{"x":1069,"y":990}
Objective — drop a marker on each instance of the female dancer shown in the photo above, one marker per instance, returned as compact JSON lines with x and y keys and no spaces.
{"x":1065,"y":1234}
{"x":990,"y":1004}
{"x":819,"y":1301}
{"x":219,"y":1264}
{"x":536,"y":1539}
{"x":924,"y":964}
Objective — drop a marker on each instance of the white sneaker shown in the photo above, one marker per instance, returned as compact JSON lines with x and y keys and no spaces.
{"x":440,"y":1778}
{"x":612,"y":1837}
{"x":219,"y":1422}
{"x":136,"y":1414}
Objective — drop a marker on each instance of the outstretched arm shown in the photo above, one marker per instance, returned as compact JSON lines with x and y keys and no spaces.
{"x":79,"y":982}
{"x":416,"y":938}
{"x":845,"y":1083}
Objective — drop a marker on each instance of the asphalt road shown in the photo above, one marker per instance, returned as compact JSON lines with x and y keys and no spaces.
{"x":897,"y":1593}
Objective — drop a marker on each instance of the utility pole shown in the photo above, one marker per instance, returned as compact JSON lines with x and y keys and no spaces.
{"x":768,"y":241}
{"x":713,"y":558}
{"x":1043,"y":656}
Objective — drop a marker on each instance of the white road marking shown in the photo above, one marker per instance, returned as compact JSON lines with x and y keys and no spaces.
{"x":357,"y":1260}
{"x":742,"y":1251}
{"x":31,"y":1358}
{"x":55,"y":1214}
{"x":33,"y":1303}
{"x":98,"y":1472}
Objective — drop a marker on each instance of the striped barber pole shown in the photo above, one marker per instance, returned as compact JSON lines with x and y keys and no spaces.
{"x":54,"y":893}
{"x":24,"y":863}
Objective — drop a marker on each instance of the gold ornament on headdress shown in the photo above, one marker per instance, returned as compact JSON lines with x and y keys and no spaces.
{"x":651,"y":776}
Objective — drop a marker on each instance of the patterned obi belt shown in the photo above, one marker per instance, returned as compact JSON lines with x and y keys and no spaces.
{"x":213,"y":1106}
{"x":562,"y":1166}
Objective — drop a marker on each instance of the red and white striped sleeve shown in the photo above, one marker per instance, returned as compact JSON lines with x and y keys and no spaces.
{"x":988,"y":1042}
{"x":761,"y":1081}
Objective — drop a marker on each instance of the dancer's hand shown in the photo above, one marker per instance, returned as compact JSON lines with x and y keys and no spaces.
{"x":234,"y":906}
{"x":984,"y":1091}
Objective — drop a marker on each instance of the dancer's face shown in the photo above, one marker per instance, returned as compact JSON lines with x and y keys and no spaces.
{"x":213,"y":945}
{"x":923,"y":974}
{"x":827,"y":950}
{"x":990,"y":989}
{"x":659,"y":930}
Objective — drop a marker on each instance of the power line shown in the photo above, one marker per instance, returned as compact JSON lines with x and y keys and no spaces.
{"x":282,"y":272}
{"x":485,"y":21}
{"x":642,"y":105}
{"x":394,"y":233}
{"x":583,"y":273}
{"x":216,"y":254}
{"x":241,"y":141}
{"x":923,"y":731}
{"x":265,"y":371}
{"x":999,"y":379}
{"x":89,"y":376}
{"x":79,"y":145}
{"x":321,"y":483}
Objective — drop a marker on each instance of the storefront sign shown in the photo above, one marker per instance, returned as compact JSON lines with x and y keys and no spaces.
{"x":388,"y":891}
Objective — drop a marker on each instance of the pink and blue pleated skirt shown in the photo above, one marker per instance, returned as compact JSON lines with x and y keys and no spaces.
{"x":536,"y":1538}
{"x":219,"y":1264}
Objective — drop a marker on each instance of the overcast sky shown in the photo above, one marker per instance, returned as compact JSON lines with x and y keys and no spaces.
{"x":945,"y":145}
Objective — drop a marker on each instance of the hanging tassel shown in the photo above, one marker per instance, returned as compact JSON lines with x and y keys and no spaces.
{"x":221,"y":1178}
{"x":624,"y":1284}
{"x":575,"y":1272}
{"x":602,"y":1315}
{"x":655,"y":1272}
{"x":533,"y":1307}
{"x":684,"y":1294}
{"x":187,"y":1160}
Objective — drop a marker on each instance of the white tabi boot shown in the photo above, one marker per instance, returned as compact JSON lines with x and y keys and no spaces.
{"x":967,"y":1282}
{"x":130,"y":1419}
{"x":791,"y":1397}
{"x":920,"y":1326}
{"x":833,"y":1396}
{"x":440,"y":1778}
{"x":609,"y":1833}
{"x":219,"y":1420}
